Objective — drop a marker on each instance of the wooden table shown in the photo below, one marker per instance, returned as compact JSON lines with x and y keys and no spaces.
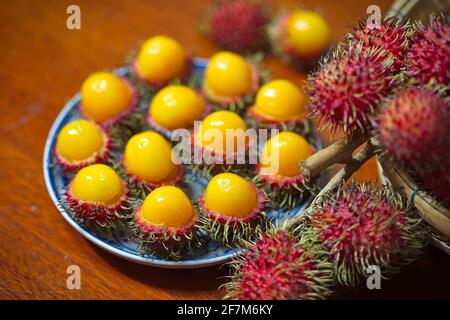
{"x":42,"y":65}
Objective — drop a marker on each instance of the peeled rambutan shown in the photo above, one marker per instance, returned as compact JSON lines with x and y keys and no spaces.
{"x":277,"y":267}
{"x":238,"y":25}
{"x":363,"y":225}
{"x":429,"y":55}
{"x":414,"y":127}
{"x":392,"y":36}
{"x":346,"y":90}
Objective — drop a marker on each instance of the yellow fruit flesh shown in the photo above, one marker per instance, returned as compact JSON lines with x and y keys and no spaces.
{"x":79,"y":140}
{"x":161,"y":59}
{"x":282,"y":154}
{"x":280,"y":99}
{"x":105,"y":96}
{"x":230,"y":195}
{"x":308,"y":33}
{"x":97,"y":183}
{"x":228,"y":75}
{"x":213,"y":132}
{"x":176,"y":107}
{"x":148,"y":157}
{"x":167,"y":207}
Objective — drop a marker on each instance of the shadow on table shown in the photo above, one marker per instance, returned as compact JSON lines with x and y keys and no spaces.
{"x":201,"y":279}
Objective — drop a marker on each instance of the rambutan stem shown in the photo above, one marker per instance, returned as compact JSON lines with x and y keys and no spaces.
{"x":433,"y":213}
{"x":338,"y":152}
{"x":340,"y":177}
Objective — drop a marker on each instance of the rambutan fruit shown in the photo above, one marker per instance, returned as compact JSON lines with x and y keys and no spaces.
{"x":279,"y":103}
{"x":175,"y":107}
{"x":160,"y":60}
{"x":107,"y":98}
{"x":147,"y":161}
{"x":391,"y":35}
{"x":345,"y":92}
{"x":81,"y":143}
{"x":165,"y":224}
{"x":276,"y":267}
{"x":428,"y":58}
{"x":299,"y":37}
{"x":278,"y":169}
{"x":363,"y":225}
{"x":414,"y":127}
{"x":231,"y":208}
{"x":238,"y":25}
{"x":96,"y":196}
{"x":230,"y":81}
{"x":221,"y":143}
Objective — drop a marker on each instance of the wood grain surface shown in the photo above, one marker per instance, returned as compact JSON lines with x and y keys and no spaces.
{"x":42,"y":65}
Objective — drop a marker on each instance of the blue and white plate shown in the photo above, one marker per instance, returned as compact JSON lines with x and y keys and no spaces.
{"x":119,"y":242}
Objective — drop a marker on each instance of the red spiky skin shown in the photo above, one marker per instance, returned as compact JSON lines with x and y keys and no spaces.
{"x":132,"y":107}
{"x":391,"y":36}
{"x":238,"y":25}
{"x":158,"y":232}
{"x":361,"y":227}
{"x":92,"y":213}
{"x":100,"y":157}
{"x":276,"y":267}
{"x":429,"y":55}
{"x":345,"y":92}
{"x":414,"y":127}
{"x":276,"y":182}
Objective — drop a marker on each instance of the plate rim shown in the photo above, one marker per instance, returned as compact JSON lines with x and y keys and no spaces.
{"x":168,"y":264}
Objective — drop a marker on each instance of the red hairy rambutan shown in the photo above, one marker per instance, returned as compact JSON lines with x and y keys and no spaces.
{"x":276,"y":267}
{"x":365,"y":225}
{"x":429,"y":55}
{"x":392,"y":36}
{"x":346,"y":90}
{"x":238,"y":25}
{"x":414,"y":127}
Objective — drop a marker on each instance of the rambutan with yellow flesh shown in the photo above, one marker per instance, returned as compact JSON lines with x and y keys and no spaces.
{"x":165,"y":224}
{"x":278,"y":104}
{"x":81,"y":143}
{"x":147,"y":161}
{"x":96,"y":196}
{"x":278,"y":169}
{"x":230,"y":81}
{"x":231,"y":209}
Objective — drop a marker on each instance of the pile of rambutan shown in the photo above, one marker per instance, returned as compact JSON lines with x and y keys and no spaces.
{"x":389,"y":86}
